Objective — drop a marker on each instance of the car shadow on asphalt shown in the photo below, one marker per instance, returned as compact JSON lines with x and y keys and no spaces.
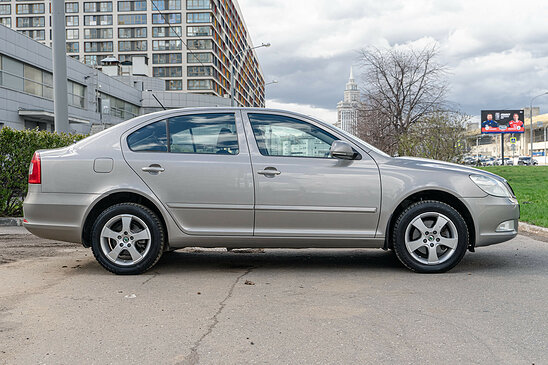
{"x":491,"y":262}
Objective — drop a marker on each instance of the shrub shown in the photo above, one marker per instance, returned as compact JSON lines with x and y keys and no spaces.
{"x":16,"y":150}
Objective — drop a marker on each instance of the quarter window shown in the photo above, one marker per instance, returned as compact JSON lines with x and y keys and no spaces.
{"x":278,"y":135}
{"x":150,"y":138}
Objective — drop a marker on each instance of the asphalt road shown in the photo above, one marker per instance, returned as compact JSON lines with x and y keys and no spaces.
{"x":57,"y":306}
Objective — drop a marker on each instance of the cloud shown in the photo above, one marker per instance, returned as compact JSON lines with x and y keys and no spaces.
{"x":497,"y":55}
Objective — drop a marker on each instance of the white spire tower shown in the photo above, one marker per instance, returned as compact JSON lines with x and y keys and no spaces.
{"x":347,"y":110}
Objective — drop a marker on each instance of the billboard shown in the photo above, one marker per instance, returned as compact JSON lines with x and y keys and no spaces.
{"x":502,"y":121}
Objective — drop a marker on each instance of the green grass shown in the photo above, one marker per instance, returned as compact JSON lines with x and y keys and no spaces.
{"x":530,"y":183}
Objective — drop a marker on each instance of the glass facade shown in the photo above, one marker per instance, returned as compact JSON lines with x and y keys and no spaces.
{"x":23,"y":77}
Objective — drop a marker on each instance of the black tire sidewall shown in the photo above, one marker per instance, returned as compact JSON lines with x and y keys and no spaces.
{"x":411,"y":213}
{"x":153,"y":224}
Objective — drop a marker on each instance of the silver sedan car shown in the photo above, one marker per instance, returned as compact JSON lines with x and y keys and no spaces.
{"x":247,"y":177}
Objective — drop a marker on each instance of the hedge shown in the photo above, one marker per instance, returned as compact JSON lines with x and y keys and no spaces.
{"x":16,"y":150}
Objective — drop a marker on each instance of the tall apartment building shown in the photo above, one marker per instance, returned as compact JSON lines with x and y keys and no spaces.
{"x":188,"y":43}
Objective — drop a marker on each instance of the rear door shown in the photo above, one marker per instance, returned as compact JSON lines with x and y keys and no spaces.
{"x":198,"y":165}
{"x":300,"y":190}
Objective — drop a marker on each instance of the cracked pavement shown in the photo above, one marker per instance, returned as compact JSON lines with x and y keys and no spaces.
{"x":315,"y":306}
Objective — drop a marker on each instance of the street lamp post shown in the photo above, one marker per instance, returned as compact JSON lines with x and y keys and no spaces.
{"x":233,"y":70}
{"x":531,"y":121}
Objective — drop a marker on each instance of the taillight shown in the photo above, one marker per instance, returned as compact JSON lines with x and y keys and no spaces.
{"x":35,"y":175}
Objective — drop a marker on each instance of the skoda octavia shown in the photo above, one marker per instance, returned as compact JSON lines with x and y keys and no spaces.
{"x":245,"y":177}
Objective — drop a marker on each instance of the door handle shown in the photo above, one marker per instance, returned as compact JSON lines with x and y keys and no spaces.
{"x":269,"y":171}
{"x":153,"y":169}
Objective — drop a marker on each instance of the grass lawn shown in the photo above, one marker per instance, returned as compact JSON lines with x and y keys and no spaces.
{"x":530,"y":183}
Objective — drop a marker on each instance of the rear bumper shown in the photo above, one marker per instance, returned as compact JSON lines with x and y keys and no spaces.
{"x":56,"y":216}
{"x":488,"y":213}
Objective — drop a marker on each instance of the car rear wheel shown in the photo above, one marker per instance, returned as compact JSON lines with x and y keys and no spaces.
{"x":430,"y":237}
{"x":127,"y":238}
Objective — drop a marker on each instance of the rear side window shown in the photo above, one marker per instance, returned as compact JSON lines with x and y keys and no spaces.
{"x":150,"y":138}
{"x":204,"y":134}
{"x":213,"y":133}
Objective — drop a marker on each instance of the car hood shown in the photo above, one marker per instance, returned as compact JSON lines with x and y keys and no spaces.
{"x":428,"y":164}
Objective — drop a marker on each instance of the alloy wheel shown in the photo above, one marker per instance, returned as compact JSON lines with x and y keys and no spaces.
{"x":431,"y":238}
{"x":125,"y":239}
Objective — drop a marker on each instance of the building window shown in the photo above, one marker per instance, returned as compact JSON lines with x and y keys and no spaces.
{"x":125,"y":46}
{"x":132,"y":19}
{"x":198,"y":18}
{"x":71,"y":7}
{"x":200,"y":85}
{"x":173,"y":71}
{"x":198,"y":31}
{"x":30,"y":8}
{"x":98,"y":33}
{"x":166,"y":18}
{"x":199,"y":44}
{"x":73,"y":34}
{"x":132,"y":32}
{"x":5,"y":22}
{"x":162,"y":32}
{"x":98,"y":20}
{"x":71,"y":21}
{"x":193,"y":57}
{"x":98,"y":7}
{"x":167,"y":45}
{"x":198,"y":4}
{"x":129,"y":57}
{"x":73,"y":47}
{"x":76,"y":94}
{"x":120,"y":108}
{"x":199,"y":71}
{"x":166,"y":5}
{"x":37,"y":35}
{"x":30,"y":22}
{"x":162,"y":58}
{"x":5,"y":9}
{"x":172,"y":85}
{"x":97,"y":47}
{"x":132,"y":6}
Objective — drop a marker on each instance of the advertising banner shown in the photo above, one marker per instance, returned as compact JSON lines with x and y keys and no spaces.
{"x":502,"y":121}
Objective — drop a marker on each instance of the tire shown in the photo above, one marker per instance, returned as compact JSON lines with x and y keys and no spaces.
{"x":127,"y":238}
{"x":421,"y":245}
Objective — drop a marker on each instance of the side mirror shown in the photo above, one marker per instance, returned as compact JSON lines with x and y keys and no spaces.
{"x":342,"y":150}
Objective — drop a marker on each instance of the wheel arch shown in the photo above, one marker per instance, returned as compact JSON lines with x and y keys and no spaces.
{"x":124,"y":196}
{"x":432,"y":194}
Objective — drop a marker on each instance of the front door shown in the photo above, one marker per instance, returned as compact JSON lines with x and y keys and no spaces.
{"x":198,"y":165}
{"x":300,"y":190}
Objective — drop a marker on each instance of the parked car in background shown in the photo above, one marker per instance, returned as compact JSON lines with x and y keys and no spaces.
{"x":487,"y":161}
{"x":507,"y":161}
{"x":254,"y":177}
{"x":468,"y":160}
{"x":527,"y":161}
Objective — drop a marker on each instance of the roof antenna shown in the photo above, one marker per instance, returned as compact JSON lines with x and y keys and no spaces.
{"x":154,"y":96}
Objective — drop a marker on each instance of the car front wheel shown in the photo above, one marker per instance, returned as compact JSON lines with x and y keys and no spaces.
{"x":127,"y":238}
{"x":430,"y":237}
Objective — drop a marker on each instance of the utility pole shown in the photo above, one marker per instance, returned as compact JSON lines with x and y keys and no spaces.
{"x":59,"y":50}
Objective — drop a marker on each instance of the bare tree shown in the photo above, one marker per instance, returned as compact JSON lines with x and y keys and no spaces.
{"x":439,"y":136}
{"x":401,"y":87}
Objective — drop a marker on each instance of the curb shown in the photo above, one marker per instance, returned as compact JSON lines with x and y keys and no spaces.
{"x":10,"y":222}
{"x":529,"y":228}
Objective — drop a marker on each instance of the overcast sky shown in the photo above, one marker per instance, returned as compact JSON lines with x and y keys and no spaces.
{"x":497,"y":51}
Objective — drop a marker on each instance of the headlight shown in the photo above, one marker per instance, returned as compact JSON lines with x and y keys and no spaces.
{"x":491,"y":186}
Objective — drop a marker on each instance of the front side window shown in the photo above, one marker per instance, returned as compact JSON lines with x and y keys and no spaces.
{"x":204,"y":134}
{"x":277,"y":135}
{"x":150,"y":138}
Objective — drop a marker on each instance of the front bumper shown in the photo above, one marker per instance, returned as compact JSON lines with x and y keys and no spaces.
{"x":488,"y":214}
